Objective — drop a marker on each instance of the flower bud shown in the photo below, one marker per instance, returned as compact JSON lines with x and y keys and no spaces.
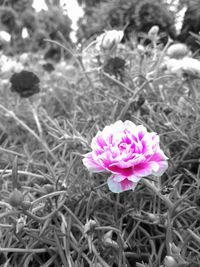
{"x":21,"y":222}
{"x":141,"y":49}
{"x":108,"y":241}
{"x":15,"y":198}
{"x":174,"y":249}
{"x":89,"y":226}
{"x":177,"y":51}
{"x":109,"y":39}
{"x":152,"y":217}
{"x":153,"y":32}
{"x":26,"y":205}
{"x":48,"y":188}
{"x":170,"y":261}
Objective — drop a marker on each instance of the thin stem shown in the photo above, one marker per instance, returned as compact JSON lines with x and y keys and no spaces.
{"x":167,"y":201}
{"x":12,"y":152}
{"x":118,"y":82}
{"x":35,"y":115}
{"x":131,"y":100}
{"x":77,"y":58}
{"x":41,"y":219}
{"x":191,"y":86}
{"x":9,"y":172}
{"x":12,"y":114}
{"x":25,"y":250}
{"x":101,"y":260}
{"x":48,"y":196}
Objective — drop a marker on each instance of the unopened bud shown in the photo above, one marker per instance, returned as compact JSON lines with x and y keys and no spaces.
{"x":174,"y":249}
{"x":15,"y":198}
{"x":21,"y":222}
{"x":141,"y":49}
{"x":89,"y":226}
{"x":48,"y":188}
{"x":153,"y":32}
{"x":153,"y":217}
{"x":108,"y":241}
{"x":170,"y":261}
{"x":177,"y":51}
{"x":26,"y":205}
{"x":109,"y":39}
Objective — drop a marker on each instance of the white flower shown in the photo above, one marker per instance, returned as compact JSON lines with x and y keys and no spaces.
{"x":153,"y":32}
{"x":172,"y":66}
{"x":5,"y":36}
{"x":24,"y":58}
{"x":178,"y":51}
{"x":11,"y":66}
{"x":191,"y":66}
{"x":25,"y":33}
{"x":109,"y":39}
{"x":180,"y":67}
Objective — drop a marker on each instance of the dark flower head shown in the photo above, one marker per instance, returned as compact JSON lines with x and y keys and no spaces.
{"x":25,"y":83}
{"x":115,"y":66}
{"x":39,"y":39}
{"x":48,"y":67}
{"x":8,"y":18}
{"x":53,"y":53}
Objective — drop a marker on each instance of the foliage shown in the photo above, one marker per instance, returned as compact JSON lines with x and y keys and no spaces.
{"x":191,"y":25}
{"x":67,"y":216}
{"x":8,"y":19}
{"x":90,"y":2}
{"x":133,"y":15}
{"x":18,"y":15}
{"x":53,"y":22}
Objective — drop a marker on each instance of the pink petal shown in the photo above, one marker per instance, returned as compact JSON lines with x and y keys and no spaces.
{"x":158,"y":156}
{"x":123,"y":172}
{"x":163,"y":165}
{"x":134,"y":160}
{"x":159,"y":163}
{"x":98,"y":141}
{"x":142,"y":169}
{"x":120,"y":178}
{"x":134,"y":178}
{"x":91,"y":164}
{"x":117,"y":187}
{"x":142,"y":131}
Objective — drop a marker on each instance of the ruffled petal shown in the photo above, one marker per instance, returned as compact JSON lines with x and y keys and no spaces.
{"x":98,"y":142}
{"x":134,"y":178}
{"x":134,"y":160}
{"x":92,"y":165}
{"x":143,"y":169}
{"x":117,"y":187}
{"x":158,"y":156}
{"x":159,"y":163}
{"x":162,"y":167}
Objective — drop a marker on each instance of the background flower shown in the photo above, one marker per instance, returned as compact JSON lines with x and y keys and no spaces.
{"x":186,"y":66}
{"x":129,"y":152}
{"x":25,"y":83}
{"x":109,"y":39}
{"x":178,"y":51}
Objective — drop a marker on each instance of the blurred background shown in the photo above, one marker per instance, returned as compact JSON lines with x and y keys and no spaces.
{"x":25,"y":24}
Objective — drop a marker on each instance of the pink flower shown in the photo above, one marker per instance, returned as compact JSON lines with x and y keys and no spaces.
{"x":129,"y":152}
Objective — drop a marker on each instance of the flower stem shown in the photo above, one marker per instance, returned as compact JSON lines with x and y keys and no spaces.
{"x":12,"y":114}
{"x":167,"y":201}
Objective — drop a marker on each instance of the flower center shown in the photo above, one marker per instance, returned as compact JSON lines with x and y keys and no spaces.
{"x":123,"y":146}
